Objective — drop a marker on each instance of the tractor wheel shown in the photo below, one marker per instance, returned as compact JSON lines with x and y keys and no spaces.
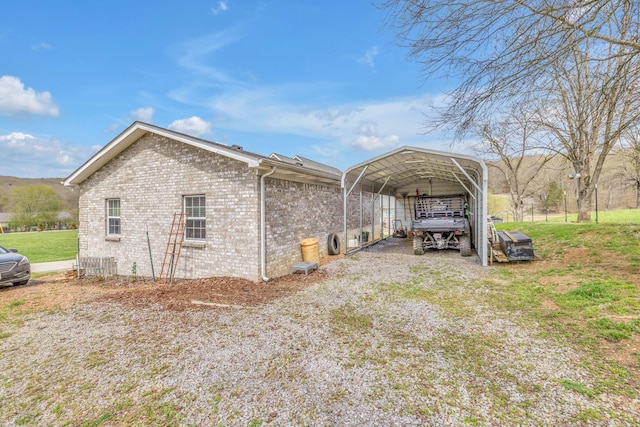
{"x":418,"y":249}
{"x":465,"y":245}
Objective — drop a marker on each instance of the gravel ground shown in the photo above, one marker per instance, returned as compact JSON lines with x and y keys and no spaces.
{"x":387,"y":339}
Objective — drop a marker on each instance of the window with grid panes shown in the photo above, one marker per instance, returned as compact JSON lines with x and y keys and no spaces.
{"x":195,"y":211}
{"x":113,"y":217}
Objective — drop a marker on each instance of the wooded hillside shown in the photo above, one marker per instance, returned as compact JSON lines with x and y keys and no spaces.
{"x":617,"y":188}
{"x":68,"y":195}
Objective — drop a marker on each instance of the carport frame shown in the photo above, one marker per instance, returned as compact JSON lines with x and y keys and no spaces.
{"x":402,"y":167}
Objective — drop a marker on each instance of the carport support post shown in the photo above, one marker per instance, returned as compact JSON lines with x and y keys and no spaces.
{"x":373,"y":204}
{"x":345,"y":242}
{"x":480,"y":211}
{"x":389,"y":213}
{"x":346,"y":197}
{"x":373,"y":213}
{"x":361,"y":201}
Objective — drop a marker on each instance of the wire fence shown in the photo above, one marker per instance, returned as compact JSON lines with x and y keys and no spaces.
{"x":618,"y":216}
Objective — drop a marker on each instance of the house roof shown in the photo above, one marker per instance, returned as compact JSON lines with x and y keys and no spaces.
{"x":307,"y":163}
{"x":305,"y":170}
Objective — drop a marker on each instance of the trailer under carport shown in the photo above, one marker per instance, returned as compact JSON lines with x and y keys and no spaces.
{"x":408,"y":171}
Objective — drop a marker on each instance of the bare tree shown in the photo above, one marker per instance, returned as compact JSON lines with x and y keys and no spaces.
{"x":515,"y":144}
{"x":577,"y":62}
{"x":629,"y":152}
{"x":589,"y":104}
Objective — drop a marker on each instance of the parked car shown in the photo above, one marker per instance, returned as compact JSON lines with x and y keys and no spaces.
{"x":14,"y":268}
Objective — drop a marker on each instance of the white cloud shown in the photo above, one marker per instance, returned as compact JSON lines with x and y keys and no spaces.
{"x":143,"y":114}
{"x":369,"y":56}
{"x":245,"y":107}
{"x":28,"y":156}
{"x":194,"y":56}
{"x":41,"y":46}
{"x":263,"y":110}
{"x":16,"y":140}
{"x":369,"y":140}
{"x":15,"y":100}
{"x":193,"y":126}
{"x":221,"y":7}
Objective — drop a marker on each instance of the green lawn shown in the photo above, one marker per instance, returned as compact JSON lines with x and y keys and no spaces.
{"x":585,"y":290}
{"x":620,"y":216}
{"x":43,"y":246}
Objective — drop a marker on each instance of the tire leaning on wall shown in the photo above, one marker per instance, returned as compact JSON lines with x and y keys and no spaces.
{"x":333,"y":244}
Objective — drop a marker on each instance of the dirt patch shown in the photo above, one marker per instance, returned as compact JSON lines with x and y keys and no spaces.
{"x":626,"y":353}
{"x":48,"y":293}
{"x":548,"y":304}
{"x":217,"y":292}
{"x":61,"y":292}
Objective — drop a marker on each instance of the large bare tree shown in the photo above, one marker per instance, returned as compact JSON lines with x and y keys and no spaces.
{"x":591,"y":100}
{"x":577,"y":61}
{"x":515,"y":146}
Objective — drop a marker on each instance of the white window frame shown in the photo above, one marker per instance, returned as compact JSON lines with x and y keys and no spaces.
{"x":114,"y":222}
{"x":192,"y":231}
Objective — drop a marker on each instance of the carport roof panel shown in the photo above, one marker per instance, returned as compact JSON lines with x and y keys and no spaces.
{"x":408,"y":165}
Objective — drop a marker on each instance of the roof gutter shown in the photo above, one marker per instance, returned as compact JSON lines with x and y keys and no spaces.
{"x":263,"y":233}
{"x":300,"y":169}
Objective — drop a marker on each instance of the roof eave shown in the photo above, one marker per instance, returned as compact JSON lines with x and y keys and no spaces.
{"x":135,"y":132}
{"x":302,"y":171}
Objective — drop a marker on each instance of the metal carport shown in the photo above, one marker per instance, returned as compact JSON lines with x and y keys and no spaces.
{"x":410,"y":170}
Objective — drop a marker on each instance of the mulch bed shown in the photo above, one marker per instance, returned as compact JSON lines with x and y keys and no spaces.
{"x":202,"y":294}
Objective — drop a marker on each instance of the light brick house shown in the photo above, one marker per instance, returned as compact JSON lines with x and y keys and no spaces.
{"x":132,"y":187}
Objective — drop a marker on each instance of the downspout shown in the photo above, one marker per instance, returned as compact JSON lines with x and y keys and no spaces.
{"x":263,"y":233}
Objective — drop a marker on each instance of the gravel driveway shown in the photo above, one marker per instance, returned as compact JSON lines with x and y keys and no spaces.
{"x":388,"y":339}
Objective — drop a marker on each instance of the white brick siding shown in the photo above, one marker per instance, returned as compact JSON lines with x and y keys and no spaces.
{"x":152,"y":176}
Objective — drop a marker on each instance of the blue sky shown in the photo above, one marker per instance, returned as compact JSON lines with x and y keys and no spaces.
{"x":322,"y":80}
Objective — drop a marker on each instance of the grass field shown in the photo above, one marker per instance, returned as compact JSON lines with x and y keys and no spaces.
{"x":585,"y":288}
{"x":621,"y":216}
{"x":43,"y":246}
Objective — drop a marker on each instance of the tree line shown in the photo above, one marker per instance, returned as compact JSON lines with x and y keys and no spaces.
{"x":34,"y":206}
{"x":552,"y":188}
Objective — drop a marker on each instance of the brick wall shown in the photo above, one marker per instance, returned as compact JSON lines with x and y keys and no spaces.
{"x":150,"y":178}
{"x":153,"y":175}
{"x":295,"y":211}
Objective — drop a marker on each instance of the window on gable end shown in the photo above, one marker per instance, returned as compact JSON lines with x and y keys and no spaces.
{"x":113,"y":217}
{"x":195,"y":212}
